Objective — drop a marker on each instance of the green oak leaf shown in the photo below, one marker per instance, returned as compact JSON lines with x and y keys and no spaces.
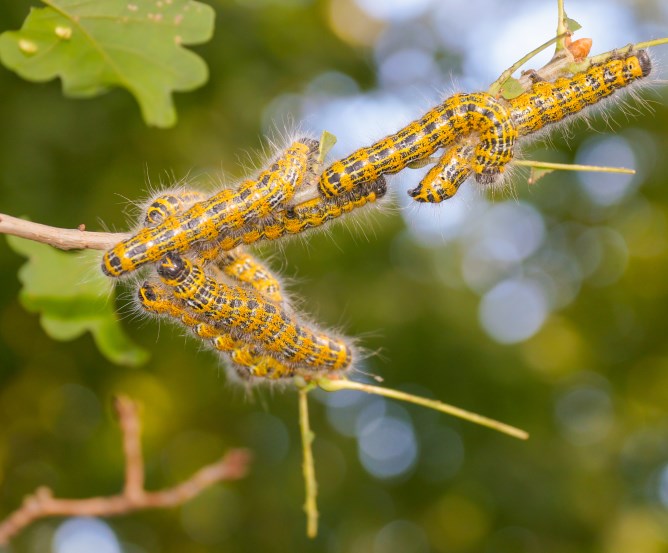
{"x":72,"y":297}
{"x":93,"y":45}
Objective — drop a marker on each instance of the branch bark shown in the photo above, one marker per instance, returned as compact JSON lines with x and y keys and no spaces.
{"x":232,"y":466}
{"x":63,"y":239}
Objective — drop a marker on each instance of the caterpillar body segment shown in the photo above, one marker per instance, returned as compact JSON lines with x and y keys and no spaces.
{"x":169,"y":204}
{"x":459,"y":116}
{"x":245,"y":268}
{"x":549,"y":102}
{"x":224,"y":213}
{"x":444,"y":179}
{"x":253,"y":319}
{"x":249,"y":361}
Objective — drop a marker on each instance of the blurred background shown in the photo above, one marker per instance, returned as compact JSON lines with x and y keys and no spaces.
{"x":543,"y":306}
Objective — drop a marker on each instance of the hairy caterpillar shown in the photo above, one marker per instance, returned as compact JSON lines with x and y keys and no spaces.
{"x":252,"y":318}
{"x":444,"y":179}
{"x":307,"y":215}
{"x":246,"y":360}
{"x":291,"y":220}
{"x":459,"y":115}
{"x":245,"y":268}
{"x":223,"y":213}
{"x":549,"y":102}
{"x":545,"y":103}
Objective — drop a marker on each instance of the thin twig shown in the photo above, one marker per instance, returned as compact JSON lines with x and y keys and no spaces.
{"x":128,"y":420}
{"x":495,"y":87}
{"x":232,"y":466}
{"x":63,"y":239}
{"x":336,"y":385}
{"x":572,"y":167}
{"x":308,"y":467}
{"x":562,"y":29}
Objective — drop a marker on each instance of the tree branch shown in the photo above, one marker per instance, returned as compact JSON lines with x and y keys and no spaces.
{"x":64,"y":239}
{"x":232,"y":466}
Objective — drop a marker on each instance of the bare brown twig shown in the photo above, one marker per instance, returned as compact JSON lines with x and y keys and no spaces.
{"x":64,"y":239}
{"x":41,"y":504}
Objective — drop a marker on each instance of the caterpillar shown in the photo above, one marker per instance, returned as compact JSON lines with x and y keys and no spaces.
{"x":252,"y":318}
{"x":221,"y":214}
{"x":245,"y":268}
{"x":308,"y":215}
{"x":444,"y":179}
{"x":547,"y":102}
{"x":245,"y":360}
{"x":459,"y":115}
{"x":543,"y":104}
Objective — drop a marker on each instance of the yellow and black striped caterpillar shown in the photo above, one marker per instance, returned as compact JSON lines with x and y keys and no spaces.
{"x":246,"y":361}
{"x":150,"y":244}
{"x":249,"y":317}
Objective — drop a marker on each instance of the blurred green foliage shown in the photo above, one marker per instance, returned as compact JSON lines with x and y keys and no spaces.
{"x":591,"y":386}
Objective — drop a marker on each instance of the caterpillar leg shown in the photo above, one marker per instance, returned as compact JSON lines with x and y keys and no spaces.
{"x":253,"y":319}
{"x":445,"y":178}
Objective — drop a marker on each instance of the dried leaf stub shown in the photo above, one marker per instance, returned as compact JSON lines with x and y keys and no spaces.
{"x":537,"y":174}
{"x":580,"y":48}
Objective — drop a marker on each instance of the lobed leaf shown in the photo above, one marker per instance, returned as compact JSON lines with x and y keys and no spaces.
{"x":93,"y":45}
{"x":72,"y":298}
